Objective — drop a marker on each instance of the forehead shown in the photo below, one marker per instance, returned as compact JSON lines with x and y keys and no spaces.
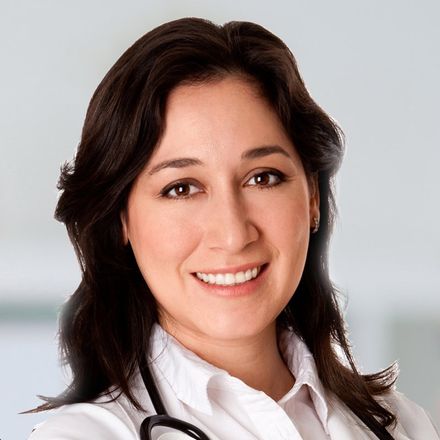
{"x":219,"y":117}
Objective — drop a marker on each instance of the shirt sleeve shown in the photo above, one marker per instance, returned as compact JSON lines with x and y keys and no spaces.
{"x":81,"y":421}
{"x":416,"y":421}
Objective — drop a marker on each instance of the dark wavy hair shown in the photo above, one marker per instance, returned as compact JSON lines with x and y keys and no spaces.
{"x":105,"y":325}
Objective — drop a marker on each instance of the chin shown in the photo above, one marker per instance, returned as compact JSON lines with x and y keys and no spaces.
{"x":232,"y":329}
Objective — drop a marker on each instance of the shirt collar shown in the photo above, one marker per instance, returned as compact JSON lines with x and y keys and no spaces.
{"x":189,"y":375}
{"x":186,"y":373}
{"x":302,"y":365}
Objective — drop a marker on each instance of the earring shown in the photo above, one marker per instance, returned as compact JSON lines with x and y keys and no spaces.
{"x":316,"y":222}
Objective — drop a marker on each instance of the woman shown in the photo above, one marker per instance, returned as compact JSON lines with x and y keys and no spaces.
{"x":200,"y":206}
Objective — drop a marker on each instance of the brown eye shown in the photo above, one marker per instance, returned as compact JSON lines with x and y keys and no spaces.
{"x":263,"y":179}
{"x":268,"y":179}
{"x":180,"y":190}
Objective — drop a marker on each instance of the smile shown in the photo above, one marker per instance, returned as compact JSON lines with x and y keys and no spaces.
{"x":229,"y":279}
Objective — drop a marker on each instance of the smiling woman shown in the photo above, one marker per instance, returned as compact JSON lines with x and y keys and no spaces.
{"x":232,"y":208}
{"x":200,"y":205}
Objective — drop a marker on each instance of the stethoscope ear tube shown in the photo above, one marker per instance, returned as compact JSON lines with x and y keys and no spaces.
{"x":151,"y":387}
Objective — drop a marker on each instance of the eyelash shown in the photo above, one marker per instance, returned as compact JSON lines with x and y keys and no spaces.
{"x":165,"y":192}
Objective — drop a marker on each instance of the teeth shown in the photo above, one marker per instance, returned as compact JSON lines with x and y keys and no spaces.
{"x":248,"y":274}
{"x":229,"y":279}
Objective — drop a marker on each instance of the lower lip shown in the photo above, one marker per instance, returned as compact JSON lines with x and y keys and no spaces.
{"x":243,"y":289}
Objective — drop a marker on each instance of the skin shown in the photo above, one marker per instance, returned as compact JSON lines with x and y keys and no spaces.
{"x":236,"y":215}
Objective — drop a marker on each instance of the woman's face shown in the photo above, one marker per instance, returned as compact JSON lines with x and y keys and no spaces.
{"x":224,"y":192}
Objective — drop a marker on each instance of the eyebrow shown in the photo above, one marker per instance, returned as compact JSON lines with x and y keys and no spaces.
{"x":253,"y":153}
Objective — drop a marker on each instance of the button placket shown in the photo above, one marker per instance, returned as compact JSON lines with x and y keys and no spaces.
{"x":268,"y":417}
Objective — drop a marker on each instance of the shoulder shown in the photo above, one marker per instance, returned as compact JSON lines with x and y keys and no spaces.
{"x":413,"y":422}
{"x":412,"y":419}
{"x":86,"y":420}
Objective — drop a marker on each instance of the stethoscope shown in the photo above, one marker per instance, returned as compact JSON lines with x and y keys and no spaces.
{"x":161,"y":426}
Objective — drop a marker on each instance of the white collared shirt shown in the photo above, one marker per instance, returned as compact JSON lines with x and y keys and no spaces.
{"x":224,"y":407}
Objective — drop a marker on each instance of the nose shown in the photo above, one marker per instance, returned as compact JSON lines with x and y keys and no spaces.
{"x":228,"y":224}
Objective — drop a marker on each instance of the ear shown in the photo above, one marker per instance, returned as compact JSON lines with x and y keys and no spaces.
{"x":123,"y":217}
{"x":314,"y":199}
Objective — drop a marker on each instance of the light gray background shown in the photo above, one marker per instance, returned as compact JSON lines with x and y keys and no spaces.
{"x":373,"y":65}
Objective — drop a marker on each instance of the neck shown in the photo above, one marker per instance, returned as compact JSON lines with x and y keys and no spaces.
{"x":256,"y":360}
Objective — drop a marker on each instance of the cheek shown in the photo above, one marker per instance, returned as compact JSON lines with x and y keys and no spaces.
{"x":294,"y":229}
{"x":160,"y":239}
{"x":288,"y":232}
{"x":287,"y":220}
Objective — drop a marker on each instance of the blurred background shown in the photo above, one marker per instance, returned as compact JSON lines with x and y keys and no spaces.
{"x":374,"y":66}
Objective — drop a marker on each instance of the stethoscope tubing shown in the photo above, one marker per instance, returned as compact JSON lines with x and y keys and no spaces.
{"x":152,"y":390}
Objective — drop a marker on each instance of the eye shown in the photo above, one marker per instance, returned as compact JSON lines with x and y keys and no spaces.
{"x":268,"y":179}
{"x":180,"y":190}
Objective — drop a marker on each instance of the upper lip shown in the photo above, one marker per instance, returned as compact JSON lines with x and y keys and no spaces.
{"x":232,"y":269}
